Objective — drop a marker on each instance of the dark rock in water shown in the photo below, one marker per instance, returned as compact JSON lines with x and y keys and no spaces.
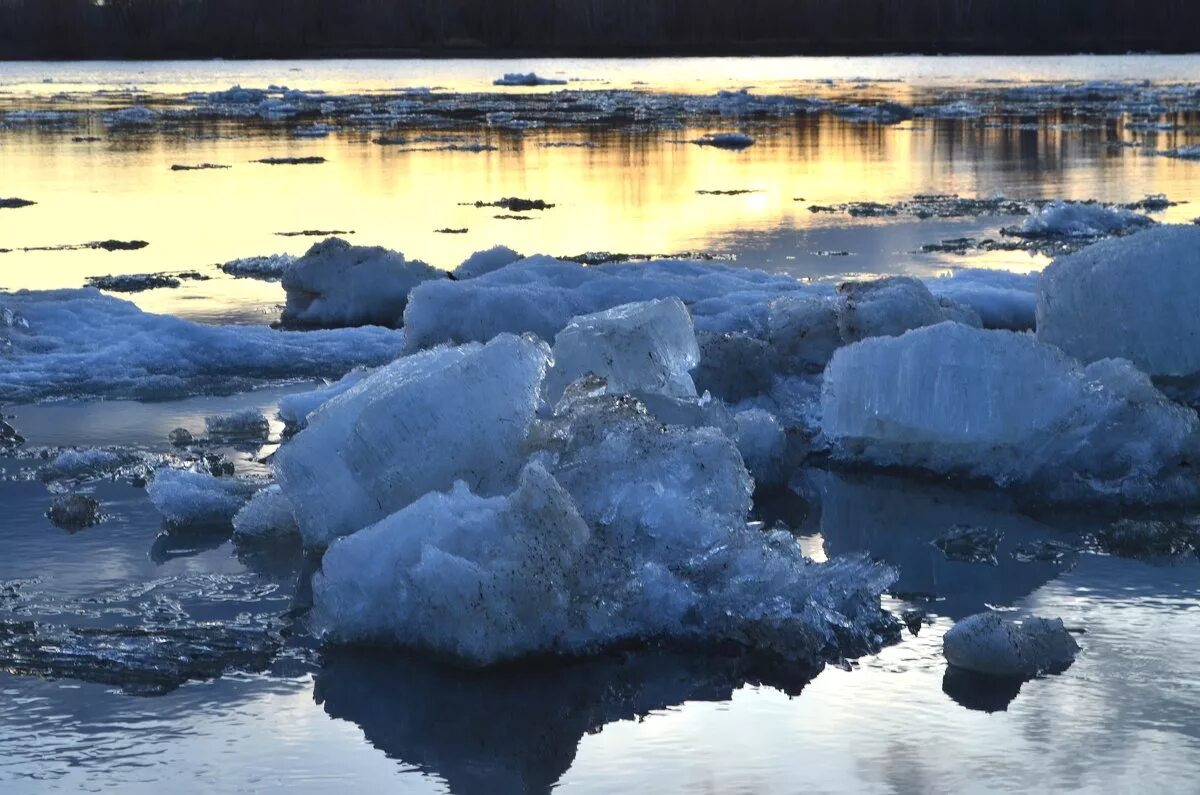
{"x":148,"y":660}
{"x":180,"y":437}
{"x":9,"y":438}
{"x":915,"y":619}
{"x":74,"y":511}
{"x":512,"y":217}
{"x":86,"y":139}
{"x":13,"y":204}
{"x":989,"y":643}
{"x":967,"y":544}
{"x":219,"y":466}
{"x":390,"y":140}
{"x":290,"y":161}
{"x":1135,"y":538}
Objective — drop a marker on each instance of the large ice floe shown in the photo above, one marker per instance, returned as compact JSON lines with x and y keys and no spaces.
{"x":338,"y":284}
{"x":81,"y":343}
{"x":1005,"y":407}
{"x":1133,"y":298}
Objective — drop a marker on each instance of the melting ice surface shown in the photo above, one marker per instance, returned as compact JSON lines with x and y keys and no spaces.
{"x":95,"y":621}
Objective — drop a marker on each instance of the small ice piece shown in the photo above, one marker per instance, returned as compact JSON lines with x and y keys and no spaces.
{"x":87,"y":462}
{"x":336,"y":284}
{"x":415,"y":426}
{"x":731,"y":140}
{"x":1132,"y":298}
{"x":763,"y":444}
{"x":9,"y":438}
{"x":647,"y":347}
{"x":180,"y":437}
{"x":989,"y":643}
{"x":969,"y":544}
{"x":248,"y":425}
{"x":890,"y":306}
{"x":74,"y":511}
{"x":294,"y":409}
{"x":485,"y":261}
{"x":135,"y":116}
{"x":1000,"y":405}
{"x":196,"y":499}
{"x":268,"y":516}
{"x":1080,"y":219}
{"x":270,"y":267}
{"x":528,"y":79}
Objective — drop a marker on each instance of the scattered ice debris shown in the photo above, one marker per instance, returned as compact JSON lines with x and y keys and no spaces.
{"x":1150,"y":539}
{"x":735,"y":140}
{"x":143,"y":660}
{"x":1060,"y":219}
{"x":316,"y":233}
{"x":451,"y":231}
{"x":989,"y":643}
{"x":270,"y":267}
{"x":291,"y":161}
{"x":14,"y":203}
{"x":74,"y":511}
{"x":1043,"y":551}
{"x":1020,"y":413}
{"x":969,"y":544}
{"x":198,"y":167}
{"x":180,"y":437}
{"x":140,"y":282}
{"x":1130,"y":298}
{"x":82,"y":343}
{"x":88,"y":462}
{"x":930,"y":205}
{"x":268,"y":516}
{"x":248,"y":425}
{"x":732,"y":192}
{"x":294,"y":409}
{"x":336,"y":284}
{"x":529,"y":79}
{"x":638,"y":348}
{"x":513,"y":204}
{"x":317,"y":130}
{"x":189,"y":499}
{"x":136,"y":116}
{"x":104,"y":245}
{"x":434,"y":418}
{"x":1183,"y":153}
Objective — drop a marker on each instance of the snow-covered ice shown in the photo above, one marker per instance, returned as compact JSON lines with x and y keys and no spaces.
{"x":1133,"y":298}
{"x":82,"y":343}
{"x":1002,"y":299}
{"x":248,"y":425}
{"x":1081,"y":219}
{"x":270,"y":267}
{"x":337,"y":284}
{"x":294,"y":409}
{"x":197,"y":499}
{"x":415,"y":426}
{"x":1002,"y":406}
{"x":485,"y":261}
{"x":989,"y":643}
{"x":268,"y":516}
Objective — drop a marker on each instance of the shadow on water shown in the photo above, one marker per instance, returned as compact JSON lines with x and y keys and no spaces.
{"x":513,"y":730}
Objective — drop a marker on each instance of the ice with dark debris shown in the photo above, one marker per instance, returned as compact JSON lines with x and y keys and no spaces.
{"x":991,"y":644}
{"x":81,"y":343}
{"x":337,"y":284}
{"x":270,"y":267}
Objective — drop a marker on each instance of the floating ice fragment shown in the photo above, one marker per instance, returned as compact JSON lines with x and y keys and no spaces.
{"x":989,"y":643}
{"x":196,"y":499}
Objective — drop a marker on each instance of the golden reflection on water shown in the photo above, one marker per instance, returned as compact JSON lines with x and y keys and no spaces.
{"x":623,"y":192}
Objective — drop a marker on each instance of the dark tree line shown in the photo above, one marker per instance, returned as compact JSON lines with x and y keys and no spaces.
{"x":283,"y":28}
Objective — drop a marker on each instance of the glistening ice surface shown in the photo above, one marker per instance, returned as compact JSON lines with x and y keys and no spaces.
{"x":837,"y":184}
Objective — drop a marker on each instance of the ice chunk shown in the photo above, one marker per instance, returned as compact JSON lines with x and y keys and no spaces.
{"x":87,"y":462}
{"x":729,"y":140}
{"x":489,"y":580}
{"x":247,"y":425}
{"x":270,"y":267}
{"x":1132,"y":298}
{"x":1080,"y":219}
{"x":803,"y":332}
{"x":890,"y":306}
{"x":196,"y":499}
{"x":763,"y":444}
{"x":268,"y":516}
{"x":1003,"y":300}
{"x":733,"y":366}
{"x":74,"y":511}
{"x":337,"y":284}
{"x":988,"y":643}
{"x":294,"y":409}
{"x":135,"y":116}
{"x":1000,"y":405}
{"x":486,"y":261}
{"x":646,"y":347}
{"x":82,"y":343}
{"x":415,"y":426}
{"x":528,"y":80}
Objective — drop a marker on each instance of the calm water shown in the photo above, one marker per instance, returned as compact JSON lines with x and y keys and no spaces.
{"x":1122,"y":719}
